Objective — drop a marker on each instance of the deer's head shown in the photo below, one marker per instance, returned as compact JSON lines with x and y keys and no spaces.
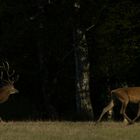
{"x":7,"y":80}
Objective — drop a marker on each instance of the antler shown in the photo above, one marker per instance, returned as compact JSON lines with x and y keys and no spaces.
{"x":1,"y":73}
{"x":5,"y":66}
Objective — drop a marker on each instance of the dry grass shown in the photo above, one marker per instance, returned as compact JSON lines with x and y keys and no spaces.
{"x":68,"y":131}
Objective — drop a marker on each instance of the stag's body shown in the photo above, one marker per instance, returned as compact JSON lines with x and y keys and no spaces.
{"x":125,"y":95}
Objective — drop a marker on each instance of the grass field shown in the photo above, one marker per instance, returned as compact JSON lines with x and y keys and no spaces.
{"x":68,"y":131}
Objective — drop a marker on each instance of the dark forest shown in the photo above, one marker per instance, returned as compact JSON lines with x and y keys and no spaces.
{"x":69,"y":54}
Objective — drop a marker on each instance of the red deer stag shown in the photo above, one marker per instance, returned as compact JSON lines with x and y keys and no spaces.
{"x":125,"y":95}
{"x":7,"y":80}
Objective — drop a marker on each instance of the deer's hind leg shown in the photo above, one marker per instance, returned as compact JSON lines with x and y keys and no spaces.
{"x":123,"y":109}
{"x":138,"y":114}
{"x":106,"y":109}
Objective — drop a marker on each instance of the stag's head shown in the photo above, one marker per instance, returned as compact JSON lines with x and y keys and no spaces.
{"x":7,"y":80}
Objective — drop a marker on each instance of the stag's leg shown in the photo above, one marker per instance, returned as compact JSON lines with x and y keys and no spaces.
{"x":123,"y":109}
{"x":106,"y":109}
{"x":138,"y":114}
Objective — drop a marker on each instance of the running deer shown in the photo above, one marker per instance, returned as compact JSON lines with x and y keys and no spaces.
{"x":124,"y":95}
{"x":7,"y":81}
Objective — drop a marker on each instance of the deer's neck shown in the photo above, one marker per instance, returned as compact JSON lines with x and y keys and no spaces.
{"x":4,"y":94}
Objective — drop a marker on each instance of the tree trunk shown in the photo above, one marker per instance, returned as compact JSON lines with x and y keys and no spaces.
{"x":83,"y":102}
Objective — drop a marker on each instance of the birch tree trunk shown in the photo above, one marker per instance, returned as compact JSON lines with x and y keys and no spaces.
{"x":83,"y":100}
